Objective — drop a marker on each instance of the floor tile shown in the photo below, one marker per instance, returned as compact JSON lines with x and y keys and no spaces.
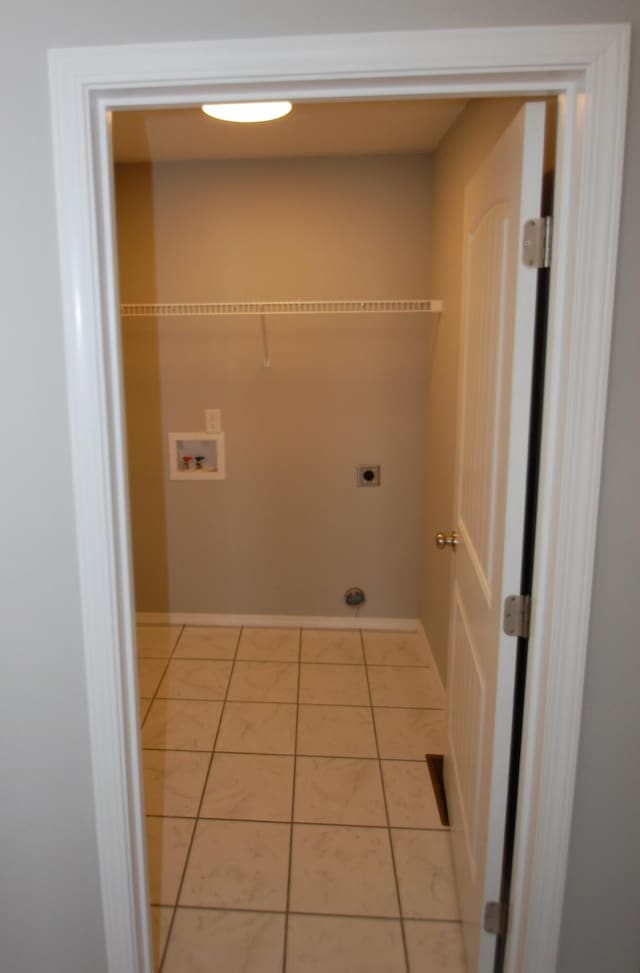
{"x":408,"y":734}
{"x":173,"y":781}
{"x":402,"y":686}
{"x":156,"y":641}
{"x":205,"y":642}
{"x":182,"y":724}
{"x":337,"y":790}
{"x":258,"y":728}
{"x":435,"y":946}
{"x":269,"y":644}
{"x":336,"y":731}
{"x":264,"y":682}
{"x":160,"y":922}
{"x":340,"y":685}
{"x":342,"y":870}
{"x":318,"y":944}
{"x":143,"y":708}
{"x":238,"y":864}
{"x":149,"y":675}
{"x":425,"y":874}
{"x":342,"y":861}
{"x":231,"y":942}
{"x":410,"y":798}
{"x":195,"y":679}
{"x":320,"y":645}
{"x":249,"y":786}
{"x":167,"y":846}
{"x":396,"y":649}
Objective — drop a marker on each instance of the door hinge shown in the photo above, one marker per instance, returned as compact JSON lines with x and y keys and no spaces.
{"x":536,"y":242}
{"x":517,"y":616}
{"x":496,"y":918}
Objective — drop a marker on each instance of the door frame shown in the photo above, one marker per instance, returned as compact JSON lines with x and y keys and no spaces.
{"x":587,"y":68}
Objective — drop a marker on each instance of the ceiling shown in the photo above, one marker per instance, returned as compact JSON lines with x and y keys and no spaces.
{"x":311,"y":129}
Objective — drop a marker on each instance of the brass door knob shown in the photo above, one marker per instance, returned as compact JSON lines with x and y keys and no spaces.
{"x":447,"y":540}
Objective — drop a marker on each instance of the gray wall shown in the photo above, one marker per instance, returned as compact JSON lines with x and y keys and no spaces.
{"x":288,"y":530}
{"x":50,"y":903}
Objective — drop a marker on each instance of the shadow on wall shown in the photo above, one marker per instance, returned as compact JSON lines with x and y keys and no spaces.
{"x":143,"y":401}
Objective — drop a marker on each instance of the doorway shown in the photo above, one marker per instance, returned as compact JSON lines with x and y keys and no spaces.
{"x":92,"y":263}
{"x":311,"y":742}
{"x":313,"y":222}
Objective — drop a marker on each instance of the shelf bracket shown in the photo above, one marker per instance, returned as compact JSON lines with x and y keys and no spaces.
{"x":265,"y":341}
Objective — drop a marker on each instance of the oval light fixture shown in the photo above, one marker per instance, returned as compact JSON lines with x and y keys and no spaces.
{"x":248,"y":111}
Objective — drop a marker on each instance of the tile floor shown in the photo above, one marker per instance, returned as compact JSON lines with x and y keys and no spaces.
{"x":291,"y":824}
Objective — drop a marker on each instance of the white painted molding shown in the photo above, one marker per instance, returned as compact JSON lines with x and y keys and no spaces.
{"x":385,"y":58}
{"x":84,"y":84}
{"x":573,"y":434}
{"x":339,"y":622}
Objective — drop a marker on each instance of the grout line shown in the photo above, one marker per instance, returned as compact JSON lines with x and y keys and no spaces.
{"x":155,"y":658}
{"x":291,"y":702}
{"x":300,"y":912}
{"x":293,"y":804}
{"x":343,"y":665}
{"x":413,"y":709}
{"x":298,"y":704}
{"x":202,"y":658}
{"x":278,"y":753}
{"x":177,"y":642}
{"x":264,"y":753}
{"x":182,"y":750}
{"x":195,"y":827}
{"x":386,"y":811}
{"x":167,"y":660}
{"x":437,"y":829}
{"x":153,"y":699}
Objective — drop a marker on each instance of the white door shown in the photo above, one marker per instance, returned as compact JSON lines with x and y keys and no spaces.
{"x":493,"y":429}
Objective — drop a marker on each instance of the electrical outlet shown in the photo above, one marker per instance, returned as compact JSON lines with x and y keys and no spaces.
{"x":368,"y":476}
{"x":213,"y":420}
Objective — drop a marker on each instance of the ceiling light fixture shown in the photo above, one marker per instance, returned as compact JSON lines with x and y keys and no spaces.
{"x":249,"y":111}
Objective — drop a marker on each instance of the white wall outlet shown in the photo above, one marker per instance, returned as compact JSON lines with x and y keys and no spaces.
{"x":213,"y":420}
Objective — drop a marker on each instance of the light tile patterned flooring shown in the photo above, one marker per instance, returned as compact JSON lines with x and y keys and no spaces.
{"x":291,"y":824}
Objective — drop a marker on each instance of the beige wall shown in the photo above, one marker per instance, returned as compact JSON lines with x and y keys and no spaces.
{"x":287,"y":531}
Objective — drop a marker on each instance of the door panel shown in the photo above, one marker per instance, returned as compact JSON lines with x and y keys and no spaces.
{"x":467,"y":709}
{"x":493,"y":408}
{"x":487,"y":248}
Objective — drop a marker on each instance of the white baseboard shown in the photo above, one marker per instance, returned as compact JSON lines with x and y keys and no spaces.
{"x":282,"y":621}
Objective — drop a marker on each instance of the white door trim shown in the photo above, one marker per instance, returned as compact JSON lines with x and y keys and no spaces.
{"x":588,"y":67}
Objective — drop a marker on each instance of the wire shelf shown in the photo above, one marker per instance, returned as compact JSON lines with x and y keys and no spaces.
{"x":281,"y":307}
